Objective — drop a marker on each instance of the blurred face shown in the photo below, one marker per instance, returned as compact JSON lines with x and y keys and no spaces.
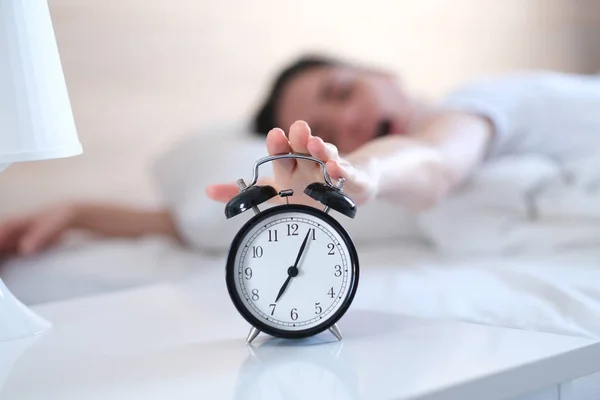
{"x":344,"y":105}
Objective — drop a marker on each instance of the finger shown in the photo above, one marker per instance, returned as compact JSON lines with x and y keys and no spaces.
{"x":277,"y":143}
{"x":223,"y":192}
{"x":337,"y":169}
{"x":335,"y":172}
{"x":41,"y":233}
{"x":355,"y":181}
{"x":10,"y":233}
{"x":299,"y":136}
{"x":321,"y":150}
{"x":7,"y":228}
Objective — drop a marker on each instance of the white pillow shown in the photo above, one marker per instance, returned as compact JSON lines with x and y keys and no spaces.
{"x":227,"y":153}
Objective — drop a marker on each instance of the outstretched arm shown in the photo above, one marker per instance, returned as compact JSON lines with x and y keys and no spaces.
{"x":122,"y":221}
{"x":416,"y":171}
{"x":420,"y":170}
{"x":31,"y":233}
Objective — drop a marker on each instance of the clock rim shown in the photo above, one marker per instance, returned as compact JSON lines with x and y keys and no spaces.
{"x":230,"y":274}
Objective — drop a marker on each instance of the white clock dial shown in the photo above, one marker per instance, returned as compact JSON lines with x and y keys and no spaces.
{"x":292,"y":298}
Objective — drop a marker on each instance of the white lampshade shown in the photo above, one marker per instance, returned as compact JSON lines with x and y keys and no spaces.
{"x":36,"y":121}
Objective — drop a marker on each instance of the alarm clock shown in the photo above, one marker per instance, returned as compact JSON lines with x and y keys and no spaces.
{"x":292,"y":270}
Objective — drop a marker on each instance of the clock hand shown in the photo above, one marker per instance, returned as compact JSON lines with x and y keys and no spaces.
{"x":293,"y":271}
{"x":302,"y":249}
{"x":285,"y":285}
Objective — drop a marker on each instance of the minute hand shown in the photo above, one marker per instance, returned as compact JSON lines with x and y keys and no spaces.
{"x":302,"y":249}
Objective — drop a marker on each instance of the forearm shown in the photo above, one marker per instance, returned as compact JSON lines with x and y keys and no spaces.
{"x":404,"y":171}
{"x":123,"y":221}
{"x":420,"y":170}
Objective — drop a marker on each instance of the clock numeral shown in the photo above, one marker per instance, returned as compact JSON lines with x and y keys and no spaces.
{"x":338,"y":271}
{"x":331,"y":293}
{"x":257,"y":251}
{"x":273,"y":236}
{"x":255,"y":294}
{"x":294,"y":314}
{"x":318,"y":308}
{"x":272,"y":308}
{"x":314,"y":237}
{"x":331,"y":248}
{"x":248,"y":273}
{"x":292,"y":229}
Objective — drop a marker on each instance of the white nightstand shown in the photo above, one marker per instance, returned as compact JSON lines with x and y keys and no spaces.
{"x":186,"y":341}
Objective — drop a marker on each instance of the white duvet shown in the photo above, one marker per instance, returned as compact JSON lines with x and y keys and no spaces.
{"x":520,"y":204}
{"x":559,"y":294}
{"x":523,"y":204}
{"x":518,"y":247}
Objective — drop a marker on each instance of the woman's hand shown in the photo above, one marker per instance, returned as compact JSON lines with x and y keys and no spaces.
{"x":416,"y":171}
{"x":31,"y":233}
{"x":35,"y":232}
{"x":360,"y":182}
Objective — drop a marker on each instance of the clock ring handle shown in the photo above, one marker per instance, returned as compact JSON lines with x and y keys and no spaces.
{"x":297,"y":156}
{"x":328,"y":193}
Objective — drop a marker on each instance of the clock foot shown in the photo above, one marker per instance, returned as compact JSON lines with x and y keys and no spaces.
{"x":252,"y":335}
{"x":335,"y":331}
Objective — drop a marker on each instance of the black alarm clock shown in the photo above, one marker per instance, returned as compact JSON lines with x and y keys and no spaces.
{"x":292,"y":270}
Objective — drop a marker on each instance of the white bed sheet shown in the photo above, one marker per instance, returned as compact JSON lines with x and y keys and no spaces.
{"x":558,"y":294}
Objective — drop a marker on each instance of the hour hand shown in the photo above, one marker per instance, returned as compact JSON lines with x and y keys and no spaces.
{"x":292,"y":272}
{"x":282,"y":290}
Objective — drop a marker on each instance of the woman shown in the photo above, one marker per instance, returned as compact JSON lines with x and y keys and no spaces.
{"x":370,"y":131}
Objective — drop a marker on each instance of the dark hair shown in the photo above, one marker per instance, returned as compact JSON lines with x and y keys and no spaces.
{"x":265,"y":118}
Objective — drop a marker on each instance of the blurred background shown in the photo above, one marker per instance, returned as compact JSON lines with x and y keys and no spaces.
{"x":143,"y":73}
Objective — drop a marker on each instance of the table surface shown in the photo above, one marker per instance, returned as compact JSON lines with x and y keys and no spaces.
{"x":186,"y":341}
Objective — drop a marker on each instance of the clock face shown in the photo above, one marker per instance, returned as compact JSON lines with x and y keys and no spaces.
{"x":292,"y":271}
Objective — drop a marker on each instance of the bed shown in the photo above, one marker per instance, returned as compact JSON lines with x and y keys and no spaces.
{"x":551,"y":294}
{"x":517,"y":248}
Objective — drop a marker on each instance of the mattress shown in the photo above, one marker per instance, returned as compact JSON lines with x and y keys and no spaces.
{"x":557,"y":294}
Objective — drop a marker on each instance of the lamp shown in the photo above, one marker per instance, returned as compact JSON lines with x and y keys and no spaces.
{"x":36,"y":121}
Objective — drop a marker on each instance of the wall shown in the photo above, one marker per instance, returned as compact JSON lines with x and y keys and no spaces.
{"x":142,"y":73}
